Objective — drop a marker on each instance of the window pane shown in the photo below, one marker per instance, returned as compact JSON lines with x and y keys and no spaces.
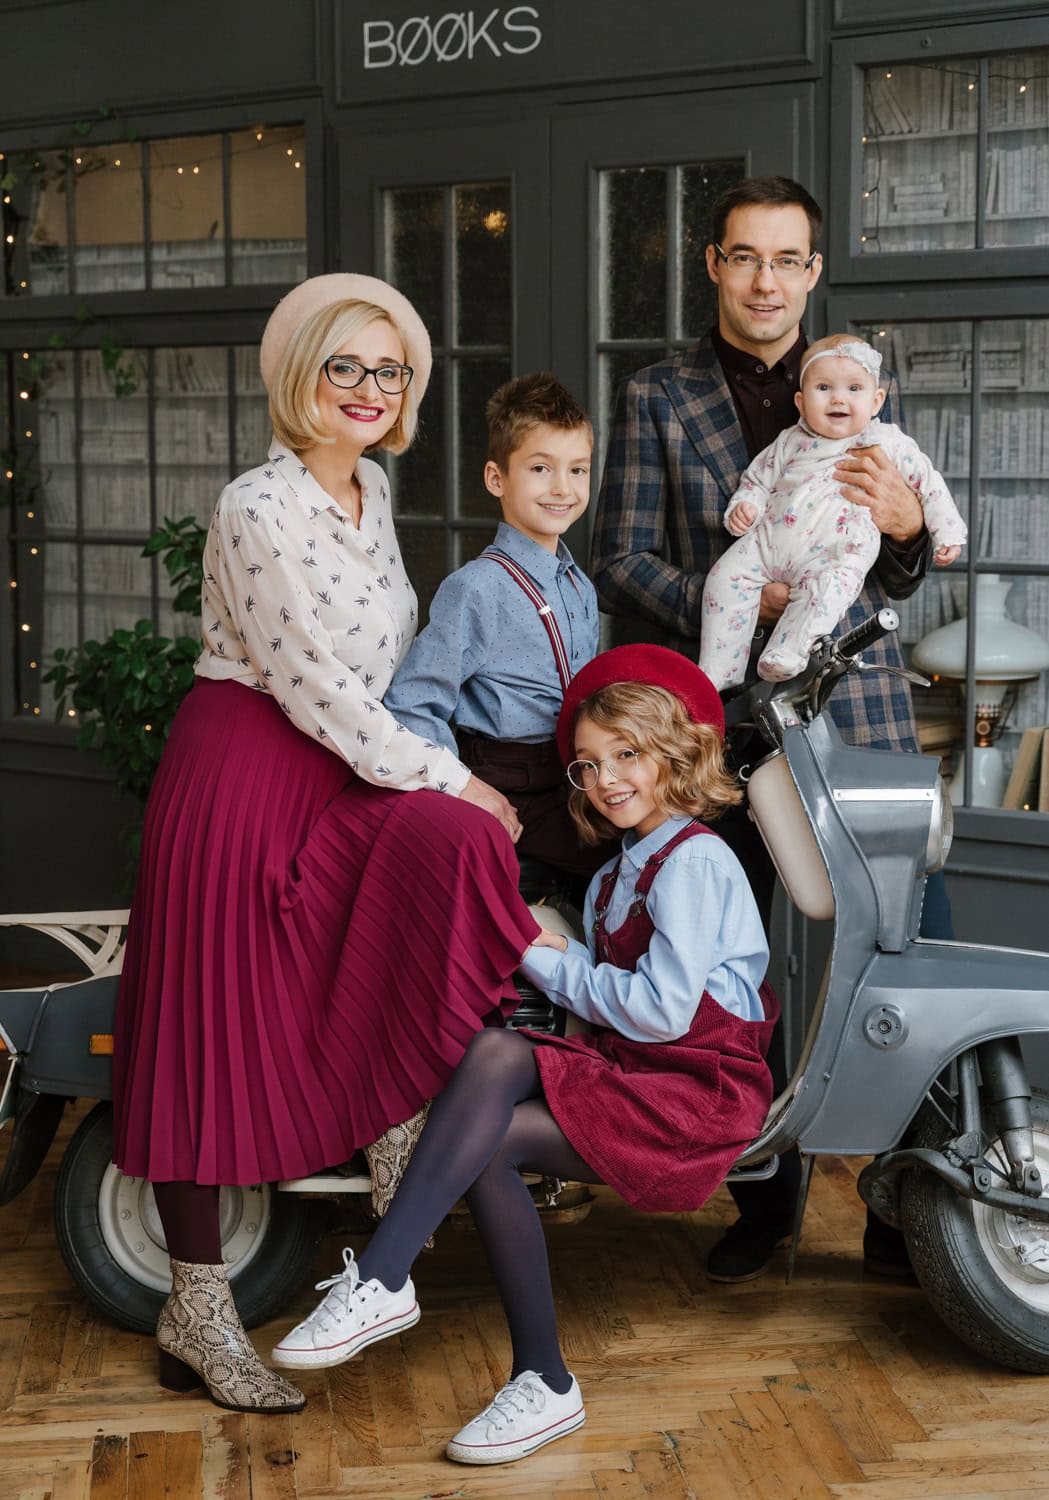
{"x":114,"y":447}
{"x":253,"y":415}
{"x":1014,"y":440}
{"x":418,"y":476}
{"x":483,"y":250}
{"x":187,"y":227}
{"x":53,"y":626}
{"x":701,"y":184}
{"x":634,"y":253}
{"x":613,"y":369}
{"x":469,"y":543}
{"x":41,"y":186}
{"x":919,"y":157}
{"x":415,"y":251}
{"x":476,"y":379}
{"x":55,"y":443}
{"x":1018,"y":150}
{"x":117,"y":589}
{"x":192,"y":430}
{"x":268,"y":204}
{"x":109,"y":254}
{"x":425,"y":559}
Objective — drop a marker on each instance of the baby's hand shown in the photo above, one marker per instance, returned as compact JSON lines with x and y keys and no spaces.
{"x":742,"y":518}
{"x":547,"y":939}
{"x":944,"y":555}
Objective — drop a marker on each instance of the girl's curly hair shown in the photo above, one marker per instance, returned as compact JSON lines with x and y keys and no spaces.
{"x":692,"y":778}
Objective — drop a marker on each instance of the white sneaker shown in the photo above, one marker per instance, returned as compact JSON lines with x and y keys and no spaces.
{"x":354,"y":1314}
{"x":524,"y":1415}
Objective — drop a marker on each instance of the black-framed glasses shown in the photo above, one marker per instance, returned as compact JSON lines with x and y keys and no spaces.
{"x":347,"y":373}
{"x":779,"y":265}
{"x":585,"y":774}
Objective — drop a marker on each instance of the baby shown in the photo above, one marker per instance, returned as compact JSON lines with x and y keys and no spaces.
{"x":795,"y":527}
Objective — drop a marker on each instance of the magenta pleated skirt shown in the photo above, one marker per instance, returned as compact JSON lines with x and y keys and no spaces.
{"x":308,"y":955}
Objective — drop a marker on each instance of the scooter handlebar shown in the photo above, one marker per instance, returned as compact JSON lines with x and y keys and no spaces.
{"x":872,"y":629}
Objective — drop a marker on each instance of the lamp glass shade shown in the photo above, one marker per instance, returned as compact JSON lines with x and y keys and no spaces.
{"x":1005,"y":650}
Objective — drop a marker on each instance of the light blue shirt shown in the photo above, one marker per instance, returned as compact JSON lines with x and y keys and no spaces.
{"x":708,"y":936}
{"x":484,"y":662}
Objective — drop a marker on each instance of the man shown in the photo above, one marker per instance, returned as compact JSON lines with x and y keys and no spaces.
{"x":684,"y":431}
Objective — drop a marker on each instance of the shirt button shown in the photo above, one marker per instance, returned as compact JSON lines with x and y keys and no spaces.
{"x":739,"y":378}
{"x":759,"y":369}
{"x":790,"y":379}
{"x":766,"y":402}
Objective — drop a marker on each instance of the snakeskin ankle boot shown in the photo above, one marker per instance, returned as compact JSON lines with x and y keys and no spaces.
{"x":388,"y":1158}
{"x":202,"y":1342}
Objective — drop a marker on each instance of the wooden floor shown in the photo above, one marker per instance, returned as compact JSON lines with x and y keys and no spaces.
{"x":836,"y":1385}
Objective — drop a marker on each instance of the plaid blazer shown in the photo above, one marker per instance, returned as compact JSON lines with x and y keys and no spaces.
{"x":675,"y":458}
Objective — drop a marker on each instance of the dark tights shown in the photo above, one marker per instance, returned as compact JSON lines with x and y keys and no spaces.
{"x":490,"y":1124}
{"x":189,"y":1212}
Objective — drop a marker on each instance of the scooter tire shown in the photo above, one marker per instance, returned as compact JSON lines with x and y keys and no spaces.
{"x":963,"y":1259}
{"x":273,"y":1272}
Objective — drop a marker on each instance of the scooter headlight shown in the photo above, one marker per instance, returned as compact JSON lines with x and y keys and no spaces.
{"x":941,"y":829}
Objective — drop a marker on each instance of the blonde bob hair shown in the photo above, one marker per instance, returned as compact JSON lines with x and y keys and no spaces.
{"x":691,"y":777}
{"x":294,"y":412}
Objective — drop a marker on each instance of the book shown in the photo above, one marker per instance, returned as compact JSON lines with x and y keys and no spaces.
{"x":1023,"y":784}
{"x":1043,"y":783}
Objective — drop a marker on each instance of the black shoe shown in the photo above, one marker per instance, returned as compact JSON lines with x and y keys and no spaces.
{"x":885,"y":1251}
{"x":744,"y":1252}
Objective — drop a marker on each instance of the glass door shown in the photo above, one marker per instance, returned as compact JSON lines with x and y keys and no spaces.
{"x":458,"y":219}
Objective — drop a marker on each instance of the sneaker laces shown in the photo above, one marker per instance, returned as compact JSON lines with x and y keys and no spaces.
{"x":341,"y":1287}
{"x":523,"y":1394}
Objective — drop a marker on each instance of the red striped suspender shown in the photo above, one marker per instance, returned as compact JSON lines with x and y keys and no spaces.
{"x":543,"y":609}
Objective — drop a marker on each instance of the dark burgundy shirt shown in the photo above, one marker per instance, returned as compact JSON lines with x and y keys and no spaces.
{"x":762,"y":395}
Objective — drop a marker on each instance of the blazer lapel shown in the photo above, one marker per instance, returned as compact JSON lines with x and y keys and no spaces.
{"x":704,"y":405}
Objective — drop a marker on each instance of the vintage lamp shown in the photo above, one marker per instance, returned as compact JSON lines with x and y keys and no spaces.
{"x":1006,"y":655}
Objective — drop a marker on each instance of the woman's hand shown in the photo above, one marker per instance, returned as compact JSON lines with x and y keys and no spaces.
{"x":482,"y":795}
{"x":546,"y":939}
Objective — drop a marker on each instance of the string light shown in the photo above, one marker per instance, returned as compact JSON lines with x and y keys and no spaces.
{"x":116,"y":161}
{"x":30,"y":514}
{"x":36,"y":710}
{"x":33,"y":551}
{"x":10,"y":240}
{"x":147,"y":727}
{"x":179,"y":170}
{"x":25,"y":629}
{"x":32,"y":666}
{"x":23,"y":395}
{"x":10,"y":474}
{"x":7,"y":197}
{"x":71,"y":713}
{"x":196,"y":171}
{"x":79,"y":160}
{"x":1023,"y":88}
{"x":258,"y":135}
{"x":298,"y":164}
{"x":14,"y":583}
{"x":291,"y":151}
{"x":28,"y":433}
{"x":971,"y":87}
{"x":22,"y":284}
{"x":888,"y":75}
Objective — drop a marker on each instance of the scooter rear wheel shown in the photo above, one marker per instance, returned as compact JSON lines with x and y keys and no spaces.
{"x":110,"y":1236}
{"x":985,"y":1271}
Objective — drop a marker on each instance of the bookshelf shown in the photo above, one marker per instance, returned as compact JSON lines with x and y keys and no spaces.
{"x":946,"y":137}
{"x":974,"y":394}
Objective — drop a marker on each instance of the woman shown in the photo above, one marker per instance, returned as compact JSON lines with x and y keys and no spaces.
{"x":309,"y":951}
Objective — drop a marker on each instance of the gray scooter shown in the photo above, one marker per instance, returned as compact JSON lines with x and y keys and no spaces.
{"x":913,"y":1052}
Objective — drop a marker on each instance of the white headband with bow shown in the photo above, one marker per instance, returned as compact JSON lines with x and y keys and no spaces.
{"x":855,"y":349}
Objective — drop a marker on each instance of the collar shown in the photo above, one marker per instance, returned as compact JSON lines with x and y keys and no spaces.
{"x":735,"y":361}
{"x":295,"y":473}
{"x":639,"y":851}
{"x":543,"y":566}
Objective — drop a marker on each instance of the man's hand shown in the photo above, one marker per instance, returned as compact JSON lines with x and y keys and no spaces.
{"x":868,"y":477}
{"x":774,"y":600}
{"x":482,"y":795}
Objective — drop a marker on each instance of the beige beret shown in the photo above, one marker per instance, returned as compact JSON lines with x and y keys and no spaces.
{"x":342,"y":286}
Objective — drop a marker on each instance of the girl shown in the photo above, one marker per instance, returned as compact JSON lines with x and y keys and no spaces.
{"x":658,"y":1101}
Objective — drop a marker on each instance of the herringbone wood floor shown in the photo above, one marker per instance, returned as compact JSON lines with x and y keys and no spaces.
{"x":836,"y":1385}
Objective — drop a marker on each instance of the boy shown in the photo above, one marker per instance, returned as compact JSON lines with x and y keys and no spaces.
{"x":796,"y":527}
{"x":510,"y":629}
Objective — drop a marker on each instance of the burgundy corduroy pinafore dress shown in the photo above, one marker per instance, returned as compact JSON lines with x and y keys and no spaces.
{"x":661,"y":1122}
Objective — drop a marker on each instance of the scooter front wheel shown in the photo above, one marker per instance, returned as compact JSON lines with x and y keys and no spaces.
{"x":111,"y":1239}
{"x":984,"y":1270}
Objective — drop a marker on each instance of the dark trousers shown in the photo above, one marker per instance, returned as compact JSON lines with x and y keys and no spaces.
{"x":771,"y":1202}
{"x":532,"y":778}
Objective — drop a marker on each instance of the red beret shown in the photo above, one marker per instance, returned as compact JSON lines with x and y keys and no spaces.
{"x":657,"y":665}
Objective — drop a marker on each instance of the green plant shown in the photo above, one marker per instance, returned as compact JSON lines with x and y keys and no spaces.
{"x":127,"y":688}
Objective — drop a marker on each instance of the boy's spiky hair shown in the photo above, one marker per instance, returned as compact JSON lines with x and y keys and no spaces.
{"x":527,"y":402}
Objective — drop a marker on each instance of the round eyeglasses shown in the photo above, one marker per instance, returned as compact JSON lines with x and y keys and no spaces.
{"x":780,"y":265}
{"x":585,"y":774}
{"x":347,"y":374}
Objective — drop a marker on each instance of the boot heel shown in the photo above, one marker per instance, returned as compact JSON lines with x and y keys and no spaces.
{"x":175,"y":1374}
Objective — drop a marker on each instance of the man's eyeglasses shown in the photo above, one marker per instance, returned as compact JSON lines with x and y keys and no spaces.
{"x":585,"y":774}
{"x":780,"y":265}
{"x":348,"y":373}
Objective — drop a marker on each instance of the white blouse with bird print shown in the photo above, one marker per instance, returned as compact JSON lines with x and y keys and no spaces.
{"x":300,"y":603}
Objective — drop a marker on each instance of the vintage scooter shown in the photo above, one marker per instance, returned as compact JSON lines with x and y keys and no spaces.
{"x":912,"y":1055}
